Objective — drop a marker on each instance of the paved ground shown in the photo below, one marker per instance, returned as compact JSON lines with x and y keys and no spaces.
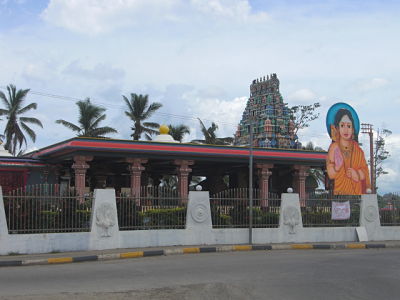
{"x":285,"y":274}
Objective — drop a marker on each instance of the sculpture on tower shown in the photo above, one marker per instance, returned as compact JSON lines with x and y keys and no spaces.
{"x":273,"y":125}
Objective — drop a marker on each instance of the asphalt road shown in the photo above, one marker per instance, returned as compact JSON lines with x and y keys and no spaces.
{"x":294,"y":274}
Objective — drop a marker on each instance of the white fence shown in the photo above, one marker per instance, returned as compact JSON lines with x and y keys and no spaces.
{"x":105,"y":234}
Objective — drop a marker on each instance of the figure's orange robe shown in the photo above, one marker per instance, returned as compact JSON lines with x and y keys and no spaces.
{"x":347,"y":186}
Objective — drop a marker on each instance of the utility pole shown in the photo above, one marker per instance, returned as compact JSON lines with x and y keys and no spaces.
{"x":251,"y":183}
{"x":367,"y":128}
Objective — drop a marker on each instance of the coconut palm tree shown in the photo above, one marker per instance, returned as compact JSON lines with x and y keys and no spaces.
{"x":90,"y":116}
{"x":177,"y":132}
{"x":138,"y":111}
{"x":16,"y":124}
{"x":210,"y":136}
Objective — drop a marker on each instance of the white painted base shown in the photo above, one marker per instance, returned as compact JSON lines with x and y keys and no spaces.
{"x":198,"y":230}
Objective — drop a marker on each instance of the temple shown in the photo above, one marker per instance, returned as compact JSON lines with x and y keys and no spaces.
{"x":85,"y":164}
{"x":270,"y":117}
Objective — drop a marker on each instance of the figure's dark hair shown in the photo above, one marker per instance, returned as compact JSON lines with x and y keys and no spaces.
{"x":339,"y":115}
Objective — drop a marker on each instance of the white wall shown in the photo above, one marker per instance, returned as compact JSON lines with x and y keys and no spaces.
{"x":105,"y":234}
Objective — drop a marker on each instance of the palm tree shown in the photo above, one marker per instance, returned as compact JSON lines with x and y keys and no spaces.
{"x":177,"y":132}
{"x":210,"y":136}
{"x":90,"y":116}
{"x":138,"y":111}
{"x":16,"y":124}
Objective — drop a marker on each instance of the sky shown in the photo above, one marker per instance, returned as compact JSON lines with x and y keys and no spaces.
{"x":198,"y":58}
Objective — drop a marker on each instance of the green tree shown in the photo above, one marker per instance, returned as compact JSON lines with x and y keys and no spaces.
{"x":380,"y":152}
{"x":90,"y":116}
{"x":178,"y":132}
{"x":17,"y":124}
{"x":316,"y":173}
{"x":138,"y":111}
{"x":210,"y":136}
{"x":303,"y":115}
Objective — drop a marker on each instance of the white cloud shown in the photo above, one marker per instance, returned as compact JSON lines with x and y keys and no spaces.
{"x":101,"y":16}
{"x":226,"y":114}
{"x":100,"y":71}
{"x":371,"y":84}
{"x":303,"y":95}
{"x":235,"y":9}
{"x":98,"y":16}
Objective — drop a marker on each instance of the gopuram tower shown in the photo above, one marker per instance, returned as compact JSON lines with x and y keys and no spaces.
{"x":273,"y":125}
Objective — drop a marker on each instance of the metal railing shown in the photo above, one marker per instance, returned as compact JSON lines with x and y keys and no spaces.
{"x":317,"y":211}
{"x":389,"y":209}
{"x":44,"y":208}
{"x":155,"y":208}
{"x":230,"y":209}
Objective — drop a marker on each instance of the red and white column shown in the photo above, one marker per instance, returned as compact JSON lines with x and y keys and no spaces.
{"x":136,"y":169}
{"x":264,"y":172}
{"x":183,"y":171}
{"x":300,"y":175}
{"x":80,"y":167}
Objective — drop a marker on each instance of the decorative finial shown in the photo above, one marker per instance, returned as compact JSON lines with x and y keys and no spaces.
{"x":164,"y":129}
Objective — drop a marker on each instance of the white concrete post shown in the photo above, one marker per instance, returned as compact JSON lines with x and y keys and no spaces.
{"x":198,"y":212}
{"x":3,"y":227}
{"x":290,"y":217}
{"x":104,"y":221}
{"x":198,"y":217}
{"x":369,"y":216}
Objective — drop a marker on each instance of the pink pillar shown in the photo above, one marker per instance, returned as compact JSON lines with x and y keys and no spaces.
{"x":300,"y":175}
{"x":183,"y":171}
{"x":80,"y":166}
{"x":136,"y":170}
{"x":264,"y":174}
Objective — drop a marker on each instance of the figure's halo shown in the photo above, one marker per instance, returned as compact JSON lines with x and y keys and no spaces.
{"x":330,"y":116}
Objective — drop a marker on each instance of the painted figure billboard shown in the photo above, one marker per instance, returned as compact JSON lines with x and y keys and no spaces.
{"x":345,"y":163}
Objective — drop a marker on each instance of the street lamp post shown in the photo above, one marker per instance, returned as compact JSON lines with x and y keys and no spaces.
{"x":251,"y":183}
{"x":367,"y":128}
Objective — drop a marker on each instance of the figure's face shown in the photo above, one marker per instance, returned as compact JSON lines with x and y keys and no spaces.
{"x":345,"y":128}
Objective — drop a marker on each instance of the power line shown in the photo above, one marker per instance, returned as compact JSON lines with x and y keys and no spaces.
{"x":162,"y":114}
{"x":116,"y":106}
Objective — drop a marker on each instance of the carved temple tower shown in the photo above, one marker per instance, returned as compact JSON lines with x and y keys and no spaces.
{"x":273,"y":125}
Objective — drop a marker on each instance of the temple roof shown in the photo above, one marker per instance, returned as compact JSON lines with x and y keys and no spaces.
{"x":65,"y":150}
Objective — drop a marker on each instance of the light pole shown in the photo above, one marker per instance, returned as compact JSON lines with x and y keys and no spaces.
{"x":251,"y":183}
{"x":367,"y":128}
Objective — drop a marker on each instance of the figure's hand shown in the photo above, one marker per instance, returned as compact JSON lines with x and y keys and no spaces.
{"x":353,"y":174}
{"x":338,"y":159}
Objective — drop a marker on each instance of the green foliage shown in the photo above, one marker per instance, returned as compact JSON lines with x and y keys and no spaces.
{"x":239,"y":217}
{"x":134,"y":217}
{"x":178,"y":131}
{"x":303,"y":115}
{"x":380,"y":152}
{"x":31,"y":215}
{"x":17,"y":124}
{"x":390,"y":217}
{"x":321,"y":216}
{"x":90,"y":116}
{"x":164,"y":218}
{"x":138,"y":111}
{"x":210,"y":135}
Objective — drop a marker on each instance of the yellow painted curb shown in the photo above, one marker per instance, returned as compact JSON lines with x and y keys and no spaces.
{"x":242,"y":248}
{"x":302,"y":246}
{"x":131,"y":254}
{"x":59,"y":260}
{"x":355,"y":246}
{"x":191,"y":250}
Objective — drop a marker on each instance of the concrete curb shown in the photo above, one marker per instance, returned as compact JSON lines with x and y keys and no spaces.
{"x":190,"y":250}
